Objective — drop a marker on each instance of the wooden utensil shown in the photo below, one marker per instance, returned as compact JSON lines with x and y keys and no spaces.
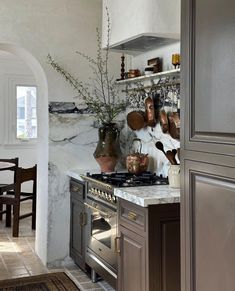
{"x":178,"y":153}
{"x":160,"y":146}
{"x":174,"y":151}
{"x":171,"y":157}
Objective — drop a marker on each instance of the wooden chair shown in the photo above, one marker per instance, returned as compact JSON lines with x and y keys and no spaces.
{"x":8,"y":165}
{"x":15,"y":196}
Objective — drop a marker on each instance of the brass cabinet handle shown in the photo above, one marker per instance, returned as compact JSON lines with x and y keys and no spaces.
{"x":75,"y":188}
{"x":132,"y":215}
{"x":117,"y":249}
{"x":83,"y":218}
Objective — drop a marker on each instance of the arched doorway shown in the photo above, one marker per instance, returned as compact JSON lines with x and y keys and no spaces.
{"x":42,"y":146}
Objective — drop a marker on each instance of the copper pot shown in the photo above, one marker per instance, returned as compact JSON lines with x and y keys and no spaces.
{"x":164,"y":121}
{"x":134,"y":73}
{"x":137,"y":162}
{"x":136,"y":120}
{"x":174,"y":125}
{"x":150,"y":111}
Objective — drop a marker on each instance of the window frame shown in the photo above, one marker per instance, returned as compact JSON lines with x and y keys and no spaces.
{"x":31,"y":86}
{"x":10,"y":112}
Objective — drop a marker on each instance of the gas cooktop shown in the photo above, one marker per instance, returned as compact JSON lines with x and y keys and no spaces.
{"x":125,"y":179}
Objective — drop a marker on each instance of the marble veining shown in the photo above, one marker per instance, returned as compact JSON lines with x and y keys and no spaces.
{"x":141,"y":195}
{"x":73,"y":139}
{"x":58,"y":216}
{"x":149,"y":195}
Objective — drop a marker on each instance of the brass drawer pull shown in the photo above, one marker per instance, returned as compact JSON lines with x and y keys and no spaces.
{"x":132,"y":215}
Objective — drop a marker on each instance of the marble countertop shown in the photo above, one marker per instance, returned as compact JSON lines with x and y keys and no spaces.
{"x":141,"y":195}
{"x":76,"y":173}
{"x":149,"y":195}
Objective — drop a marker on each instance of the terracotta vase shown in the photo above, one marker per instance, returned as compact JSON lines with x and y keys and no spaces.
{"x":108,"y":149}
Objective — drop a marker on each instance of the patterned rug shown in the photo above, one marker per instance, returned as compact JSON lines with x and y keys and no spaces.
{"x":45,"y":282}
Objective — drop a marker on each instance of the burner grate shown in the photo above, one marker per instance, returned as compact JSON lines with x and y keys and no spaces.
{"x":126,"y":179}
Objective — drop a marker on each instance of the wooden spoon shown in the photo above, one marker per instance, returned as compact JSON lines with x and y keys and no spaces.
{"x":160,"y":146}
{"x":169,"y":154}
{"x":174,"y":151}
{"x":178,"y":152}
{"x":171,"y":157}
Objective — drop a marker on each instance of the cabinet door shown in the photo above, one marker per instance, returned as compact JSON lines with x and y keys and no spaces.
{"x":208,"y":44}
{"x":77,"y":243}
{"x":170,"y":255}
{"x":132,"y":261}
{"x":208,"y":145}
{"x":210,"y":200}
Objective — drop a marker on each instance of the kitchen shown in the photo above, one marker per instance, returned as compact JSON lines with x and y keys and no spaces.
{"x":52,"y":246}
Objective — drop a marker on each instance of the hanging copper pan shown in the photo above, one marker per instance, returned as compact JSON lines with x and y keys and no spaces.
{"x":163,"y":121}
{"x":136,"y":120}
{"x":174,"y":125}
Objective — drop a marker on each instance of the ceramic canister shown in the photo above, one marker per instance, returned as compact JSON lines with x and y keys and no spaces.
{"x":174,"y":176}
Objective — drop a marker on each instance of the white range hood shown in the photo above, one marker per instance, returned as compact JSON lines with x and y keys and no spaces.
{"x":141,"y":25}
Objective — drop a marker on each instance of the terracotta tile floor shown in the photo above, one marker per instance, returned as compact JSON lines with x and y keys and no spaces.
{"x":18,"y":258}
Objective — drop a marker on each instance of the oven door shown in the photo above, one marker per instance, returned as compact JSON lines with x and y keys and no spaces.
{"x":102,"y":231}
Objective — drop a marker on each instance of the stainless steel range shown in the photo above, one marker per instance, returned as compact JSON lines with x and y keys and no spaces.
{"x":101,"y":204}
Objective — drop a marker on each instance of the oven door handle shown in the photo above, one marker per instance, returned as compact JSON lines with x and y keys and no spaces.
{"x":105,"y":214}
{"x":117,"y":243}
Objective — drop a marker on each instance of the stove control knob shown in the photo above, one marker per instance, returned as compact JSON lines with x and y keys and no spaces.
{"x":103,"y":194}
{"x":106,"y":196}
{"x":92,"y":190}
{"x":110,"y":198}
{"x":114,"y":199}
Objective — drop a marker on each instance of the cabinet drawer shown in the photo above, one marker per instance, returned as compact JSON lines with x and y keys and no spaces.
{"x":78,"y":189}
{"x":132,"y":216}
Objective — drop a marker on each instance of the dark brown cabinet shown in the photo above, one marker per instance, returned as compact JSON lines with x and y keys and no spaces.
{"x":132,"y":273}
{"x":77,"y":223}
{"x":149,"y":245}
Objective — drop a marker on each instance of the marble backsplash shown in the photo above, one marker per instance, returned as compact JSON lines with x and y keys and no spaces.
{"x":73,"y":139}
{"x":72,"y":142}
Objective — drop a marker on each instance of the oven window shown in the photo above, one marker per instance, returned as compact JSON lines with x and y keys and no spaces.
{"x":101,"y":229}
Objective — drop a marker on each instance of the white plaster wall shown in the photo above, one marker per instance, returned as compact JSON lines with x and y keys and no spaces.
{"x":58,"y":27}
{"x":163,"y":52}
{"x":42,"y":144}
{"x":135,"y":17}
{"x":12,"y":67}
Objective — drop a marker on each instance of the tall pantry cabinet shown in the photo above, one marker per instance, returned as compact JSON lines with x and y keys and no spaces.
{"x":208,"y":145}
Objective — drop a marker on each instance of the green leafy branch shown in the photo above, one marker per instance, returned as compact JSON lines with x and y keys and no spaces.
{"x":102,"y":96}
